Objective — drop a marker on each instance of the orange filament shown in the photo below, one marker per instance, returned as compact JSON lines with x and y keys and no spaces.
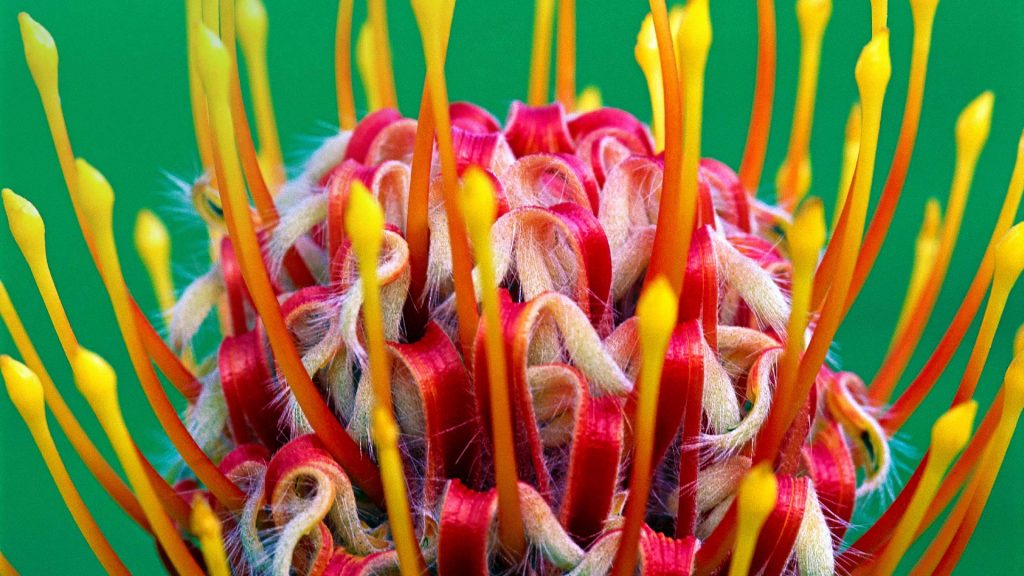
{"x":206,"y":527}
{"x":805,"y":238}
{"x":924,"y":18}
{"x":565,"y":55}
{"x":378,"y":16}
{"x":434,"y":19}
{"x":949,"y":435}
{"x":851,"y":148}
{"x":794,"y":176}
{"x":872,"y":72}
{"x":97,"y":199}
{"x":764,"y":96}
{"x":343,"y":66}
{"x":79,"y":440}
{"x":925,"y":250}
{"x":98,"y":383}
{"x":215,"y":69}
{"x":26,"y":392}
{"x":679,"y":206}
{"x":251,"y":20}
{"x":756,"y":498}
{"x":971,"y":302}
{"x":971,"y":132}
{"x":480,"y":206}
{"x":656,"y":317}
{"x":153,"y":243}
{"x":364,"y":226}
{"x":959,"y":525}
{"x":540,"y":55}
{"x":204,"y":143}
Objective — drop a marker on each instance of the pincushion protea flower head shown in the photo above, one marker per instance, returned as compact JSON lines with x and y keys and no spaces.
{"x":565,"y":343}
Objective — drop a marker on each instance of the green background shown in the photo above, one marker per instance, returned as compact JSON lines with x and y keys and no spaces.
{"x":124,"y":87}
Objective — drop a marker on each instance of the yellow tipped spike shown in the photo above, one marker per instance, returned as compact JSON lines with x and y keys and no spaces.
{"x":98,"y":383}
{"x":434,"y":22}
{"x":925,"y":251}
{"x":206,"y":527}
{"x":364,"y":225}
{"x":872,"y":73}
{"x":540,"y":55}
{"x":30,"y":236}
{"x":755,"y":501}
{"x":949,"y":435}
{"x":479,"y":205}
{"x":805,"y":237}
{"x":974,"y":123}
{"x":343,"y":66}
{"x":646,"y":53}
{"x":251,"y":21}
{"x":378,"y":18}
{"x":366,"y":63}
{"x":851,"y":149}
{"x":40,"y":52}
{"x":200,"y":122}
{"x":794,"y":178}
{"x":589,"y":99}
{"x":656,"y":311}
{"x":97,"y":201}
{"x":26,"y":392}
{"x":153,"y":243}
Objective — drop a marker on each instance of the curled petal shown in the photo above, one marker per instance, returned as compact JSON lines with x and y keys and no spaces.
{"x":530,"y":129}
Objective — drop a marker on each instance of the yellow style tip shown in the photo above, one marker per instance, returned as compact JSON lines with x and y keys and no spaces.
{"x":656,"y":312}
{"x":1014,"y":385}
{"x":251,"y":20}
{"x":1010,"y":256}
{"x":96,"y":197}
{"x":478,"y":203}
{"x":757,"y":494}
{"x":807,"y":234}
{"x":214,"y":63}
{"x":695,"y":32}
{"x":40,"y":52}
{"x":646,"y":50}
{"x":25,"y":223}
{"x":972,"y":127}
{"x":813,"y":15}
{"x":952,"y":430}
{"x":589,"y":99}
{"x":95,"y":378}
{"x":364,"y":222}
{"x":151,"y":237}
{"x":24,"y":388}
{"x":874,"y":68}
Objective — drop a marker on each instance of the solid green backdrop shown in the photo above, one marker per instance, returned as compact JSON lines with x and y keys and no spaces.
{"x":124,"y":86}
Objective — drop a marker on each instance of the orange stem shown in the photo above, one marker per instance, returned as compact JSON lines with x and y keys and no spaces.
{"x":764,"y":94}
{"x":565,"y":55}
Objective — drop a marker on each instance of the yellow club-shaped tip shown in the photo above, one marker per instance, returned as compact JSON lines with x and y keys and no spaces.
{"x":646,"y":50}
{"x":478,"y":203}
{"x":95,"y":378}
{"x":695,"y":31}
{"x":364,"y":221}
{"x":807,"y":234}
{"x":757,"y":493}
{"x":214,"y":63}
{"x":972,"y":127}
{"x":151,"y":237}
{"x":1010,"y":255}
{"x":656,"y":313}
{"x":251,"y":17}
{"x":96,"y":197}
{"x":813,"y":15}
{"x":25,"y":223}
{"x":873,"y":70}
{"x":40,"y":52}
{"x":589,"y":99}
{"x":24,"y":388}
{"x":952,"y":430}
{"x":1014,"y":385}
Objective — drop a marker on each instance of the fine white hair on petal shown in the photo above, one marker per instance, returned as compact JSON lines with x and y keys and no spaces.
{"x":814,"y":553}
{"x":194,"y":306}
{"x":754,"y":284}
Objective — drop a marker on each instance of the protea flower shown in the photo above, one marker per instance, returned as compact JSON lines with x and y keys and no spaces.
{"x":563,"y":344}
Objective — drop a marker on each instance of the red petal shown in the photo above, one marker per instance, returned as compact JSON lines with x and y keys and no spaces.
{"x":249,"y":389}
{"x":366,"y":131}
{"x":532,"y":129}
{"x":472,"y":118}
{"x":780,"y":529}
{"x":664,"y":556}
{"x":466,"y":519}
{"x":834,"y":475}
